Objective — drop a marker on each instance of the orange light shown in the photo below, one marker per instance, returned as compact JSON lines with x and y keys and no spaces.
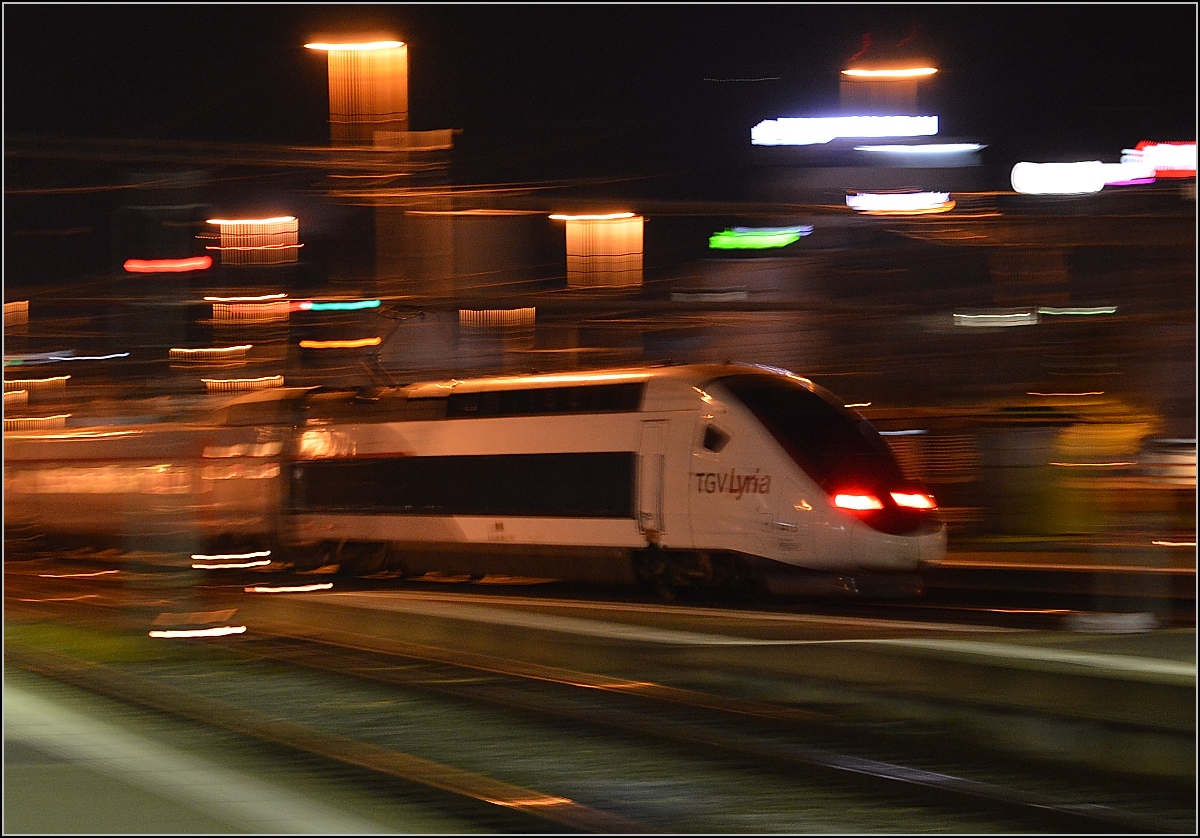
{"x":914,"y":500}
{"x":279,"y":219}
{"x":857,"y":502}
{"x":340,"y":344}
{"x":168,"y":266}
{"x":609,"y":217}
{"x":368,"y":45}
{"x":906,"y":73}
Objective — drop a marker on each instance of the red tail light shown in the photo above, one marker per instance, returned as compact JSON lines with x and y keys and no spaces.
{"x":856,"y":501}
{"x":914,"y":500}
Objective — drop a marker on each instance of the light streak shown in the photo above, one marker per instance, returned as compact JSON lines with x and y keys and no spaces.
{"x":1020,"y":318}
{"x":900,"y":203}
{"x":52,"y":383}
{"x":178,"y":352}
{"x":1080,"y":312}
{"x":230,"y":565}
{"x":609,"y":217}
{"x":223,"y":557}
{"x":279,"y":219}
{"x":251,"y":247}
{"x":750,"y":238}
{"x":347,"y":305}
{"x":1095,"y":465}
{"x":1088,"y":393}
{"x":818,"y":130}
{"x":76,"y":575}
{"x":171,"y":266}
{"x":1082,"y":178}
{"x":221,"y":385}
{"x":927,"y":148}
{"x":905,"y":73}
{"x":1173,"y":543}
{"x":288,"y":589}
{"x":340,"y":344}
{"x":262,"y":298}
{"x":210,"y":632}
{"x":369,"y":45}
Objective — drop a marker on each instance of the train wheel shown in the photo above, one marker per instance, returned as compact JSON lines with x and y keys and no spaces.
{"x":657,"y":572}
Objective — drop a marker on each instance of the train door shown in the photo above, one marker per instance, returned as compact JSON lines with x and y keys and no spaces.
{"x":651,"y":468}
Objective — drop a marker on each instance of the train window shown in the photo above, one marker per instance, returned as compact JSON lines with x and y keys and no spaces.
{"x":582,"y":485}
{"x":831,"y":444}
{"x":715,"y":439}
{"x":589,"y":398}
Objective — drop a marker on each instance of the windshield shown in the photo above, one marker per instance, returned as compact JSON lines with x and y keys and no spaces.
{"x":834,"y":446}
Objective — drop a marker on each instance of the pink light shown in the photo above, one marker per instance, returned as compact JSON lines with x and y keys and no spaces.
{"x":168,"y":266}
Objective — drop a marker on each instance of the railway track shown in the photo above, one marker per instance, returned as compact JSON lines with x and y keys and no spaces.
{"x":550,"y":748}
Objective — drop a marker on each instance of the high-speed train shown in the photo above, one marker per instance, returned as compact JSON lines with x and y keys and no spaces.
{"x":716,"y":476}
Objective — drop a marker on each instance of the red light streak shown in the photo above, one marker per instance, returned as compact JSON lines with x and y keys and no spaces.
{"x":168,"y":266}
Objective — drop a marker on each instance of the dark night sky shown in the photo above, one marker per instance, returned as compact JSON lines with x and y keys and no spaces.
{"x":544,"y":89}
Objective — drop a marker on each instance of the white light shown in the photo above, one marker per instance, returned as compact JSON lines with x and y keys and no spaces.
{"x":231,"y":565}
{"x":897,"y":202}
{"x":1085,"y":311}
{"x":288,"y":589}
{"x":212,"y":632}
{"x":1081,"y":178}
{"x":1126,"y":172}
{"x":928,"y":148}
{"x":221,"y":557}
{"x":820,"y":129}
{"x":1019,"y":318}
{"x":612,"y":216}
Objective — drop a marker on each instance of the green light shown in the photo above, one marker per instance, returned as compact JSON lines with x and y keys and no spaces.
{"x":752,"y":239}
{"x":350,"y":306}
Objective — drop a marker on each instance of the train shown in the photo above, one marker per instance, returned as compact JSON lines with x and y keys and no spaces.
{"x":727,"y":477}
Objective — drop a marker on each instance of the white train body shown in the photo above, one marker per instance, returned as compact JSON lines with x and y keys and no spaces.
{"x":710,"y":475}
{"x":663,"y":464}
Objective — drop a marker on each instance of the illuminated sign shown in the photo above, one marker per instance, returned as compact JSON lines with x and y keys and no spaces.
{"x":818,"y":129}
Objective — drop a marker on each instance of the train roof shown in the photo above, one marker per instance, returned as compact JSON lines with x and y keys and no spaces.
{"x":689,"y":374}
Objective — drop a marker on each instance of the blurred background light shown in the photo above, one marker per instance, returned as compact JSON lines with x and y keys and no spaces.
{"x":168,"y":266}
{"x":603,"y":251}
{"x":1058,"y":178}
{"x":761,"y":238}
{"x":820,"y":129}
{"x":1168,"y":159}
{"x":900,"y":203}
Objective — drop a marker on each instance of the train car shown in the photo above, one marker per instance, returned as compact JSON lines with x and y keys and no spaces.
{"x":717,"y":476}
{"x":168,"y":487}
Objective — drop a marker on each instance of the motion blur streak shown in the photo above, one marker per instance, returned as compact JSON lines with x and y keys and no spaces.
{"x":212,"y":632}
